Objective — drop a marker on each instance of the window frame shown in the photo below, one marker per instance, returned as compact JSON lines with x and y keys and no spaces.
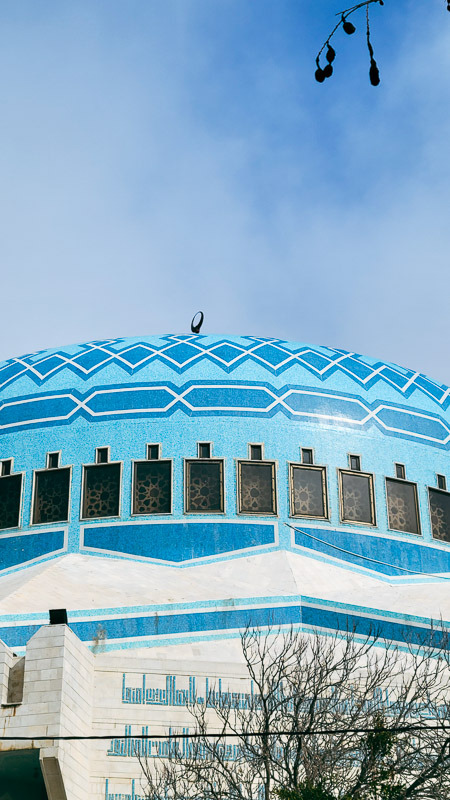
{"x":349,"y":461}
{"x":399,"y":467}
{"x":373,"y":504}
{"x":108,"y":457}
{"x":83,"y":485}
{"x":311,"y":463}
{"x":136,"y":461}
{"x":440,"y":491}
{"x":185,"y":483}
{"x":325,"y":494}
{"x":148,"y":445}
{"x":6,"y":461}
{"x":204,"y":458}
{"x":416,"y":498}
{"x":249,"y":451}
{"x":274,"y":464}
{"x":47,"y":459}
{"x":33,"y":497}
{"x":443,"y":488}
{"x":21,"y":498}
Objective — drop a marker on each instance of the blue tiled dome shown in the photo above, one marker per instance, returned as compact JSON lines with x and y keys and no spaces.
{"x":350,"y":420}
{"x":233,"y":375}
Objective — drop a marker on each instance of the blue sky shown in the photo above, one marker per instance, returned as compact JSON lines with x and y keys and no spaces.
{"x":161,"y":156}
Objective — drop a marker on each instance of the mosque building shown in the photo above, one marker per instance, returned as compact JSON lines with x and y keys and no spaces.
{"x":165,"y":492}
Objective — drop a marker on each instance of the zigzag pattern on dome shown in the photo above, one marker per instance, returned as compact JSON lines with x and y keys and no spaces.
{"x":181,"y":352}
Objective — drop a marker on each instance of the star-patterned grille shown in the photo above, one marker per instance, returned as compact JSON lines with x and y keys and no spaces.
{"x":308,"y":492}
{"x":440,"y":514}
{"x":257,"y":487}
{"x":204,"y":486}
{"x":152,"y":492}
{"x":357,"y":501}
{"x":51,"y":496}
{"x":402,"y":506}
{"x":101,"y":491}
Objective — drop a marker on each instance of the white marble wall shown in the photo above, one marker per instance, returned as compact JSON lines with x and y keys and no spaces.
{"x":70,"y":691}
{"x":57,"y":701}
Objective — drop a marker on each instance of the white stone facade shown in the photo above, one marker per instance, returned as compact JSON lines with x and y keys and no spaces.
{"x":69,"y":691}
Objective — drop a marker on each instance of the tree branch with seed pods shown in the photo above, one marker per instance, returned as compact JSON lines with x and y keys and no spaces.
{"x":325,"y":70}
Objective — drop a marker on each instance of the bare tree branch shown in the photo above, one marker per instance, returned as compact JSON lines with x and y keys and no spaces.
{"x":300,"y":686}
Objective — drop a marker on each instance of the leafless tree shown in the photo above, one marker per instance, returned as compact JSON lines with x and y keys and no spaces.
{"x":343,"y":716}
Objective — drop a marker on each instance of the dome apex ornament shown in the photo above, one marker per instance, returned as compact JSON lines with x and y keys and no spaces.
{"x":195,"y":326}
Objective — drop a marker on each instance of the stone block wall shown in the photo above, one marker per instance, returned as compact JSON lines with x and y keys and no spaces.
{"x":69,"y":691}
{"x":57,"y":701}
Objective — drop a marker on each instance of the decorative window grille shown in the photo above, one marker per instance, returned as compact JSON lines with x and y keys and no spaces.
{"x":402,"y":506}
{"x":357,"y":497}
{"x":51,"y":495}
{"x":308,"y":492}
{"x":204,"y":486}
{"x":440,"y":514}
{"x":256,"y":487}
{"x":152,"y":487}
{"x":10,"y":495}
{"x":101,"y":491}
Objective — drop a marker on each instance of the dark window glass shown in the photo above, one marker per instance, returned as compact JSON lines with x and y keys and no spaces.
{"x":53,"y":460}
{"x":51,"y":496}
{"x":441,"y":481}
{"x":204,"y":450}
{"x":402,"y":506}
{"x":307,"y":456}
{"x":256,"y":452}
{"x":6,"y":467}
{"x":152,"y":451}
{"x":152,"y":488}
{"x":400,"y":471}
{"x":308,"y":492}
{"x":440,"y":514}
{"x":102,"y":455}
{"x":357,"y":504}
{"x":204,"y":486}
{"x":355,"y":463}
{"x":10,"y":490}
{"x":257,"y":487}
{"x":101,"y":490}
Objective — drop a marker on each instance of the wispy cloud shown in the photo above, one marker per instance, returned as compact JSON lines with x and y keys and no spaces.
{"x":157,"y":158}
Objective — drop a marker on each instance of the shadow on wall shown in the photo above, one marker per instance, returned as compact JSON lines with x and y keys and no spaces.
{"x":21,"y":776}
